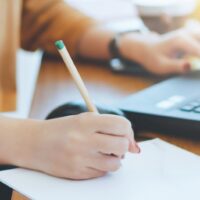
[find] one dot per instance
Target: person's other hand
(78, 147)
(162, 54)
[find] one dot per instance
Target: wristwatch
(113, 45)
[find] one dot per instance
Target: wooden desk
(55, 87)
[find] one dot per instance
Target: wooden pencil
(75, 75)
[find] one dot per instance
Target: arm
(43, 23)
(14, 138)
(157, 53)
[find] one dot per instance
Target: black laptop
(169, 106)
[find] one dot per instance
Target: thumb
(175, 66)
(133, 146)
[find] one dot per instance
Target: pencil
(75, 75)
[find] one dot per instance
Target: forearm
(94, 43)
(44, 22)
(14, 137)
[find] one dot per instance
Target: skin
(157, 53)
(77, 147)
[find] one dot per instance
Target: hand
(78, 147)
(162, 54)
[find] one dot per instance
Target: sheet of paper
(161, 172)
(28, 65)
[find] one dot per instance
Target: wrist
(29, 140)
(17, 140)
(131, 47)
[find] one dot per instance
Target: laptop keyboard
(193, 106)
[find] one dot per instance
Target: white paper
(28, 65)
(161, 172)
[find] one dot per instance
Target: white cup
(164, 15)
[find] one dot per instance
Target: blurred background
(158, 15)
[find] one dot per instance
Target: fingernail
(135, 148)
(186, 67)
(138, 148)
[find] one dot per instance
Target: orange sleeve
(45, 21)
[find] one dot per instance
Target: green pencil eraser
(59, 44)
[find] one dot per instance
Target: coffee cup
(164, 15)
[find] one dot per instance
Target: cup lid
(170, 7)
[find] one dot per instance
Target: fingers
(193, 28)
(188, 44)
(98, 166)
(107, 124)
(117, 126)
(105, 163)
(107, 144)
(179, 42)
(112, 124)
(83, 173)
(91, 173)
(174, 66)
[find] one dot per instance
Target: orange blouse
(34, 24)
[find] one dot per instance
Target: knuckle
(124, 123)
(161, 69)
(123, 146)
(109, 146)
(115, 167)
(76, 171)
(100, 174)
(128, 125)
(124, 120)
(85, 118)
(76, 175)
(112, 165)
(107, 164)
